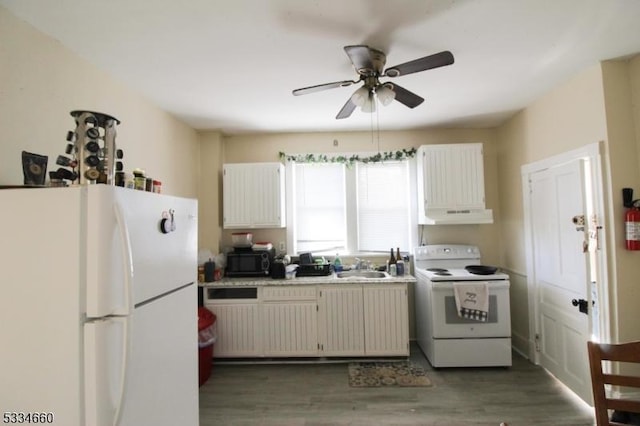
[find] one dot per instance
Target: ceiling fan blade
(346, 110)
(405, 97)
(320, 87)
(428, 62)
(360, 57)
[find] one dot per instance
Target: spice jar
(139, 180)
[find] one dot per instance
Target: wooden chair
(623, 352)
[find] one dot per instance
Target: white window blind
(364, 208)
(320, 222)
(383, 206)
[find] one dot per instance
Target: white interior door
(560, 272)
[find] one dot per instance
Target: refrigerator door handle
(124, 371)
(126, 258)
(107, 354)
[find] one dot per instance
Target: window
(365, 208)
(383, 205)
(319, 207)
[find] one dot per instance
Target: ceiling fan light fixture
(360, 96)
(385, 94)
(369, 105)
(369, 63)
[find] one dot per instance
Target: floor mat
(377, 374)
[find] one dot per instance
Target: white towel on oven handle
(472, 300)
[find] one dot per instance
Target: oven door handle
(448, 285)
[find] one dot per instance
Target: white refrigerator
(98, 314)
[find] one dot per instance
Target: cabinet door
(386, 320)
(253, 195)
(268, 204)
(471, 176)
(341, 320)
(290, 328)
(237, 196)
(237, 328)
(452, 176)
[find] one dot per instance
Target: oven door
(448, 324)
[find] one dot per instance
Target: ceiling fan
(369, 64)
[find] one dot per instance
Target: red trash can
(206, 339)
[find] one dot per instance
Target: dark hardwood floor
(319, 394)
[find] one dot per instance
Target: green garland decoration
(380, 157)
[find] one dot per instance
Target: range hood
(455, 217)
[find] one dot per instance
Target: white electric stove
(446, 338)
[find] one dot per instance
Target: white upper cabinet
(253, 195)
(451, 185)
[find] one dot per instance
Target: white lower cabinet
(311, 320)
(289, 321)
(237, 326)
(386, 320)
(341, 320)
(238, 330)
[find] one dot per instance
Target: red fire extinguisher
(632, 228)
(631, 220)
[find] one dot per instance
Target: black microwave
(249, 263)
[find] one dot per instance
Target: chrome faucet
(362, 264)
(359, 263)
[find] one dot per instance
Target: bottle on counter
(407, 264)
(391, 261)
(337, 263)
(209, 271)
(399, 264)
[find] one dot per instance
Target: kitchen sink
(362, 274)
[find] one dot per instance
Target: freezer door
(131, 257)
(106, 345)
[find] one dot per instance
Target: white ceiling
(231, 65)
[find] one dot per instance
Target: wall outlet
(281, 246)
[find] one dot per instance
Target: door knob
(583, 305)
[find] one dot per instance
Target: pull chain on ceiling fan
(369, 64)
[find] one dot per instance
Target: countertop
(327, 279)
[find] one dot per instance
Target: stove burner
(442, 273)
(437, 270)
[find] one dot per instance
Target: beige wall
(566, 118)
(593, 106)
(41, 82)
(265, 148)
(210, 191)
(621, 80)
